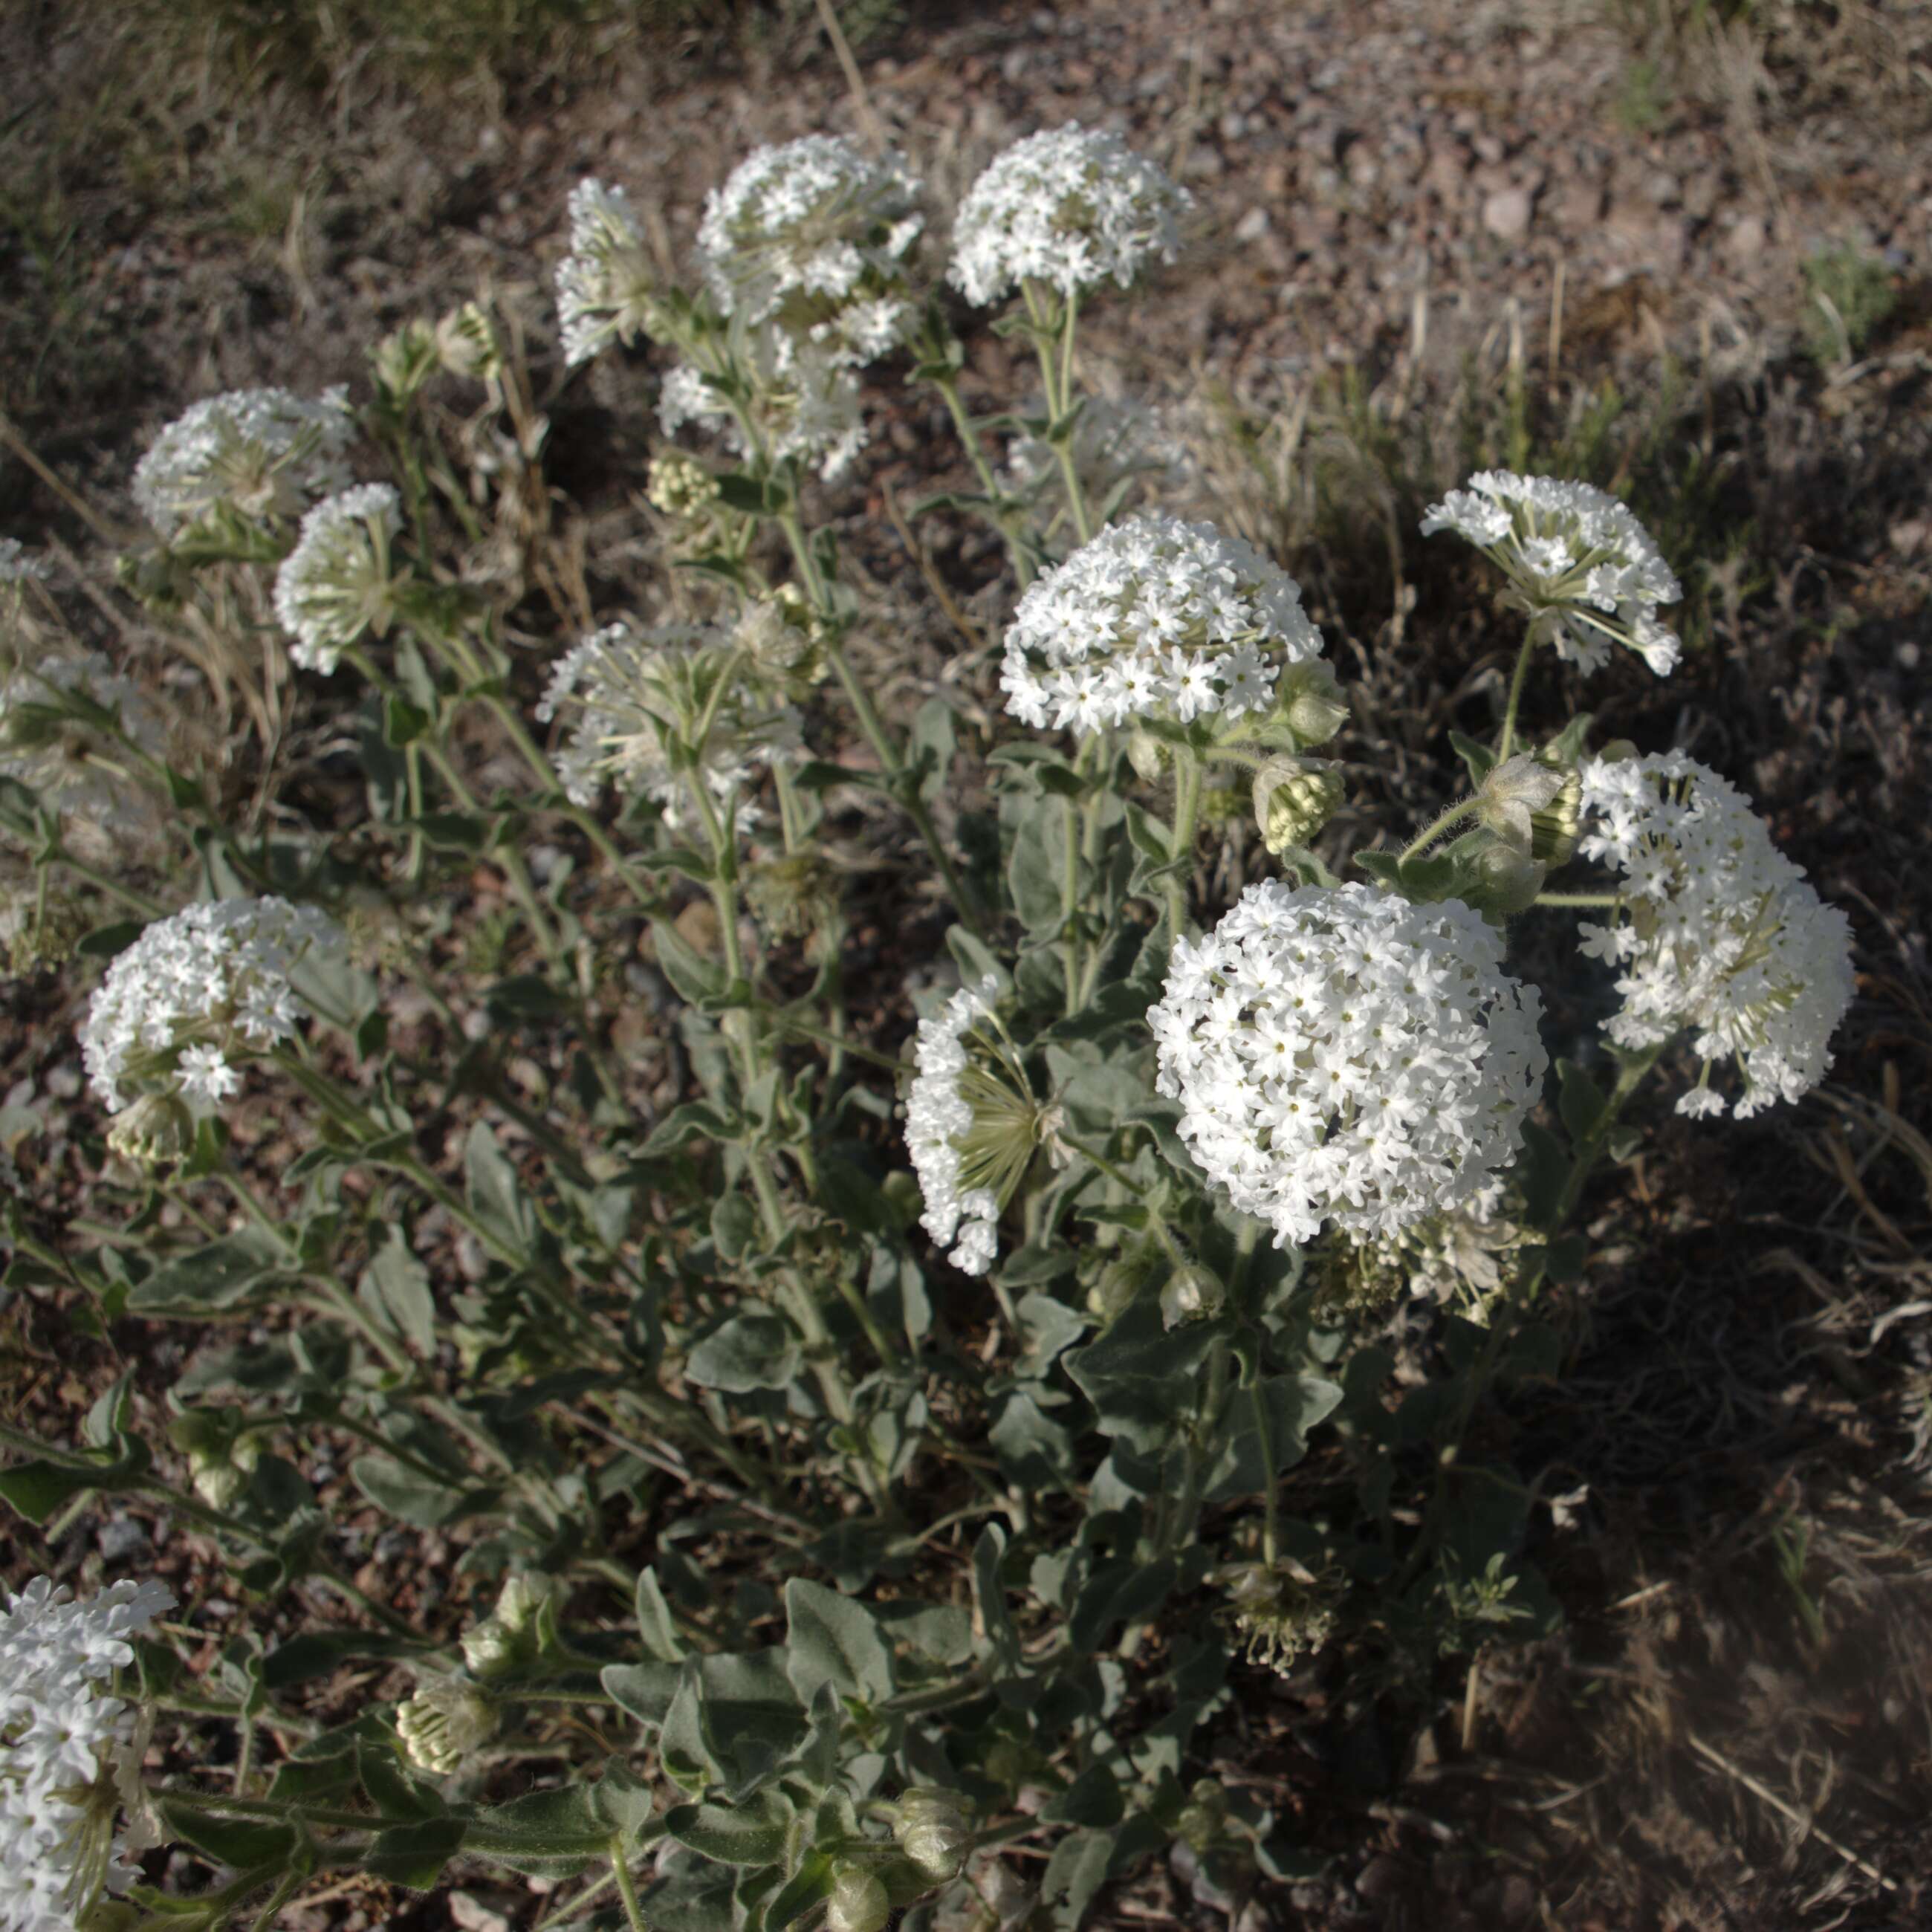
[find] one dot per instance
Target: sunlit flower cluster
(1587, 571)
(811, 238)
(67, 1759)
(1717, 931)
(605, 290)
(651, 711)
(1341, 1055)
(196, 990)
(969, 1128)
(1072, 209)
(55, 740)
(1154, 618)
(261, 452)
(338, 581)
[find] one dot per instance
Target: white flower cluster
(263, 452)
(78, 767)
(1723, 933)
(336, 583)
(803, 249)
(1588, 572)
(66, 1750)
(937, 1114)
(1072, 209)
(18, 563)
(605, 289)
(1155, 617)
(638, 701)
(1114, 444)
(813, 235)
(197, 987)
(1342, 1055)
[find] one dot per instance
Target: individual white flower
(1341, 1055)
(53, 741)
(198, 989)
(1587, 571)
(1154, 618)
(972, 1124)
(1073, 209)
(262, 452)
(605, 290)
(1717, 931)
(338, 581)
(69, 1755)
(639, 700)
(810, 238)
(444, 1723)
(17, 563)
(1115, 446)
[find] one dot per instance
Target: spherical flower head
(933, 1833)
(972, 1124)
(264, 454)
(1114, 446)
(1717, 931)
(1281, 1610)
(1587, 571)
(1069, 209)
(605, 290)
(71, 729)
(70, 1758)
(1343, 1057)
(338, 582)
(207, 986)
(680, 487)
(445, 1722)
(647, 708)
(811, 238)
(1154, 618)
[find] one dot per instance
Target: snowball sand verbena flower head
(651, 711)
(1585, 570)
(261, 452)
(68, 1761)
(1155, 618)
(1717, 931)
(54, 739)
(972, 1124)
(1069, 209)
(1342, 1056)
(811, 237)
(198, 990)
(339, 582)
(606, 291)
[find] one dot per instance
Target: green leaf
(834, 1639)
(317, 1653)
(684, 1741)
(1478, 760)
(1295, 1405)
(656, 1628)
(933, 741)
(454, 831)
(395, 1288)
(544, 1834)
(749, 1352)
(241, 1843)
(495, 1196)
(696, 978)
(527, 996)
(105, 942)
(1582, 1103)
(1075, 1873)
(217, 1276)
(412, 1497)
(694, 1120)
(734, 1227)
(1093, 1798)
(748, 496)
(1544, 1169)
(752, 1833)
(1033, 872)
(413, 1855)
(37, 1489)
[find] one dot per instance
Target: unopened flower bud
(1553, 829)
(1191, 1295)
(443, 1723)
(858, 1903)
(157, 1129)
(405, 360)
(1204, 1818)
(1308, 698)
(1145, 754)
(680, 486)
(1294, 800)
(1507, 879)
(508, 1637)
(1509, 799)
(466, 344)
(779, 638)
(933, 1834)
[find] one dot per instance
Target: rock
(1506, 213)
(1745, 242)
(1253, 225)
(1579, 206)
(121, 1540)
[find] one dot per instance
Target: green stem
(1578, 899)
(627, 1887)
(1270, 1502)
(1507, 737)
(1436, 826)
(1180, 845)
(134, 901)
